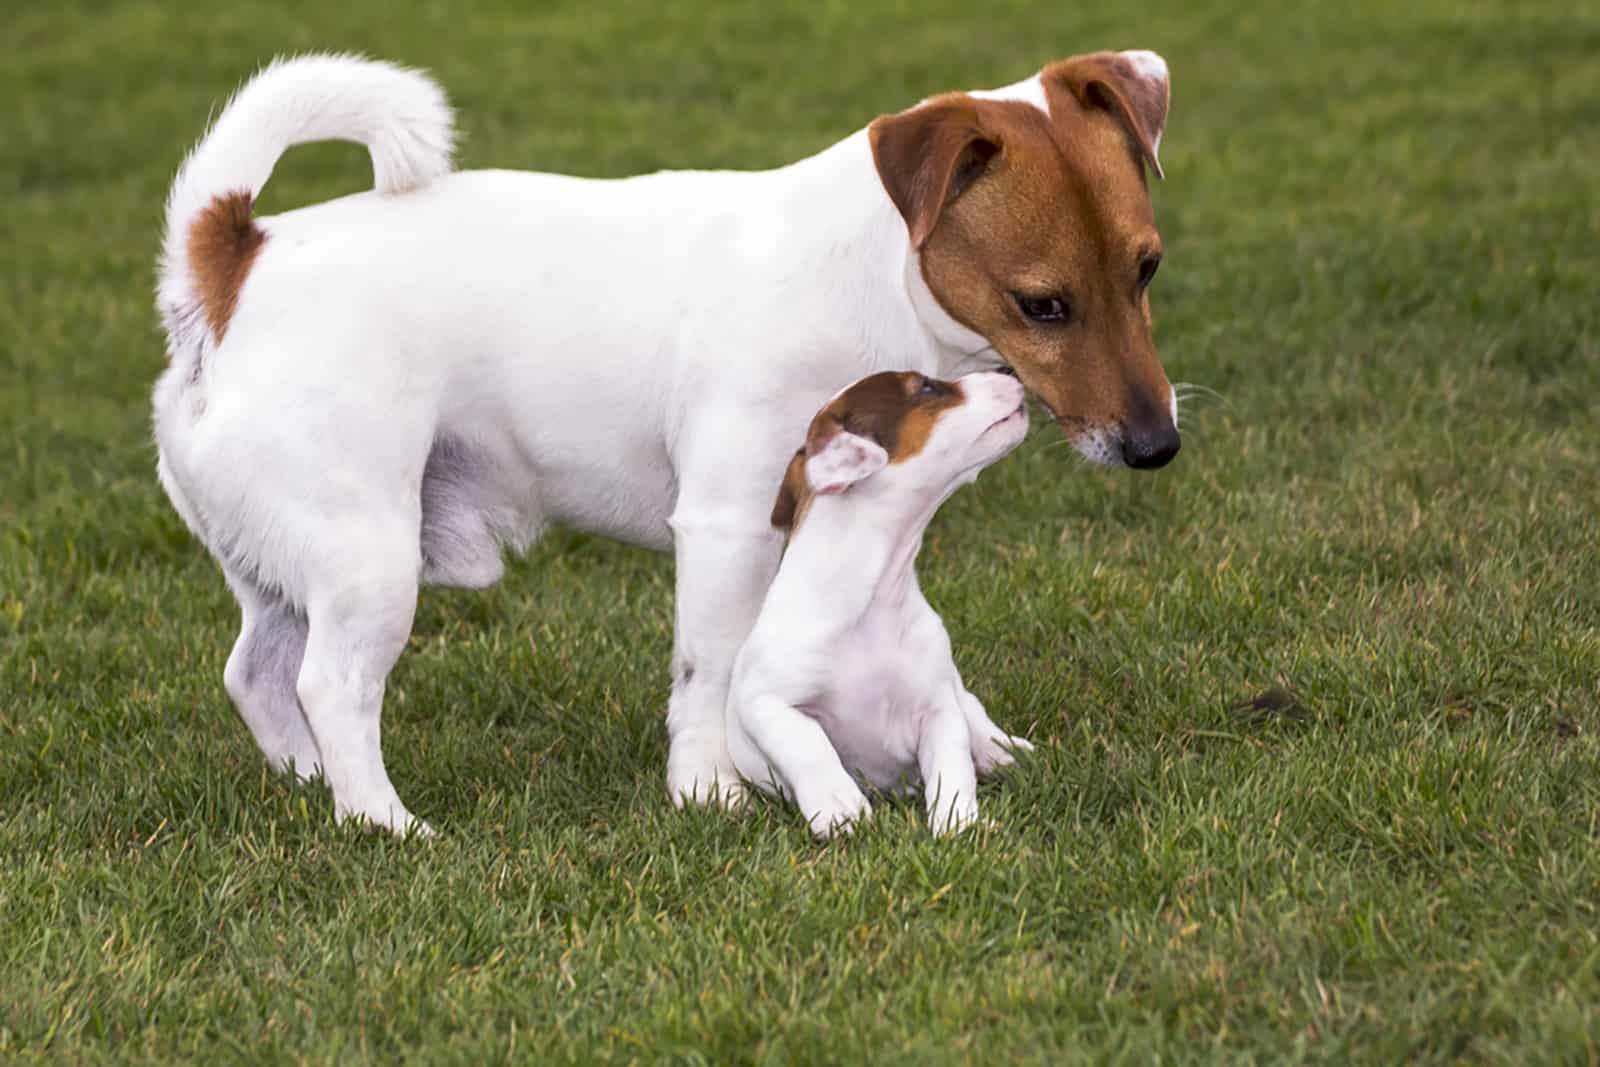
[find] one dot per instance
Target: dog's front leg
(724, 568)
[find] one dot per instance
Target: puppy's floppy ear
(1133, 86)
(838, 460)
(926, 157)
(792, 493)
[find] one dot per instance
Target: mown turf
(1381, 227)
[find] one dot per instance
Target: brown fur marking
(890, 409)
(1060, 208)
(794, 495)
(1110, 80)
(926, 164)
(223, 243)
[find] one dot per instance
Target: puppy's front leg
(804, 763)
(949, 779)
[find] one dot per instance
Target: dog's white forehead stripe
(1029, 91)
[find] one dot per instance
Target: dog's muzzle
(1147, 448)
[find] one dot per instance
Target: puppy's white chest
(886, 679)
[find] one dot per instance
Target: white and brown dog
(384, 390)
(848, 672)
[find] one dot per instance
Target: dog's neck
(854, 554)
(849, 232)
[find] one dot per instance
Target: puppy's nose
(1147, 448)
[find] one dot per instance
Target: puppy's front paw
(837, 813)
(992, 754)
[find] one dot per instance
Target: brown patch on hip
(224, 241)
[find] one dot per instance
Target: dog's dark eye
(1147, 271)
(1042, 308)
(930, 387)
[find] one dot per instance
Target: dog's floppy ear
(792, 493)
(926, 157)
(836, 459)
(1133, 86)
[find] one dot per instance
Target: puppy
(848, 669)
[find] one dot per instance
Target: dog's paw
(704, 780)
(837, 813)
(992, 754)
(393, 819)
(947, 820)
(720, 793)
(701, 773)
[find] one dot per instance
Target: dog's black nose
(1146, 450)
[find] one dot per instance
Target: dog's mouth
(1020, 412)
(1027, 390)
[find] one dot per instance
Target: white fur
(848, 672)
(1028, 90)
(401, 116)
(844, 461)
(419, 375)
(1151, 67)
(1147, 64)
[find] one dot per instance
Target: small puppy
(848, 669)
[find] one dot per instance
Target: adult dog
(386, 389)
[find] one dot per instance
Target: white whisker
(1193, 390)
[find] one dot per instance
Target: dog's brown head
(1031, 213)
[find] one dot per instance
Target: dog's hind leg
(992, 748)
(359, 609)
(260, 678)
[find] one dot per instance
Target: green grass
(1381, 228)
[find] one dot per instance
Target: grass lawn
(1382, 235)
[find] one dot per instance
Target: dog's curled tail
(401, 116)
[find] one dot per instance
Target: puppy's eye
(1042, 308)
(1147, 271)
(929, 387)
